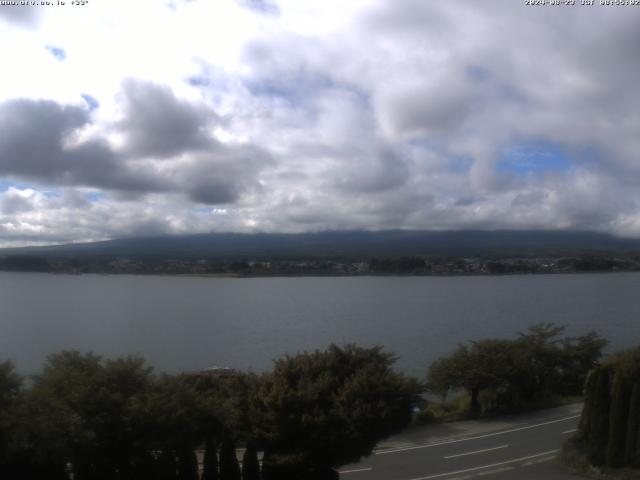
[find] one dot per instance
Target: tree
(618, 414)
(210, 461)
(229, 468)
(513, 372)
(10, 384)
(581, 355)
(167, 466)
(250, 465)
(187, 464)
(329, 408)
(599, 425)
(633, 427)
(89, 412)
(486, 364)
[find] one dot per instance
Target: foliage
(229, 467)
(609, 429)
(250, 465)
(618, 414)
(210, 461)
(504, 375)
(631, 453)
(331, 407)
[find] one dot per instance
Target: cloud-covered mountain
(343, 244)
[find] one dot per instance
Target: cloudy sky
(122, 118)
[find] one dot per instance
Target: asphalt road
(521, 447)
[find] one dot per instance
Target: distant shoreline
(324, 275)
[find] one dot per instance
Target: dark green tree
(599, 425)
(250, 464)
(580, 355)
(329, 408)
(618, 418)
(229, 467)
(483, 365)
(587, 409)
(511, 373)
(187, 464)
(210, 461)
(633, 427)
(10, 384)
(167, 465)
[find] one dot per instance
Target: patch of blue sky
(477, 73)
(199, 81)
(535, 158)
(95, 197)
(91, 102)
(6, 184)
(295, 88)
(264, 7)
(50, 193)
(203, 210)
(58, 53)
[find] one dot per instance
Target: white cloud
(299, 115)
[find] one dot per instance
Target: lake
(189, 323)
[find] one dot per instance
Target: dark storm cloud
(33, 145)
(159, 125)
(222, 177)
(213, 193)
(38, 143)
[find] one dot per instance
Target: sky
(122, 119)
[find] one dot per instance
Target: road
(518, 447)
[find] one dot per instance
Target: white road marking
(499, 464)
(570, 431)
(477, 451)
(497, 470)
(447, 442)
(533, 462)
(356, 470)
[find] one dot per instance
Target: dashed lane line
(483, 467)
(486, 435)
(497, 470)
(477, 451)
(357, 470)
(534, 462)
(570, 431)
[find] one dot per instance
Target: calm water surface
(184, 323)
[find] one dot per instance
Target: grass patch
(451, 410)
(456, 409)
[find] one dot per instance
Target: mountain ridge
(344, 244)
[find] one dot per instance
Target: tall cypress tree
(167, 465)
(187, 464)
(229, 467)
(599, 422)
(618, 413)
(210, 462)
(633, 427)
(250, 465)
(587, 410)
